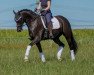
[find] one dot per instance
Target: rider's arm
(48, 5)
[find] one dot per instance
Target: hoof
(59, 59)
(73, 59)
(25, 60)
(44, 61)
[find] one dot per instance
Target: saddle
(54, 20)
(55, 24)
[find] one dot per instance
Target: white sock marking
(60, 49)
(72, 55)
(27, 52)
(42, 57)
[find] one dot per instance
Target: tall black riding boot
(50, 30)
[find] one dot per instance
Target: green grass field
(12, 50)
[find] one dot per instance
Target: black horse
(37, 32)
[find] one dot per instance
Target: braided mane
(25, 10)
(29, 11)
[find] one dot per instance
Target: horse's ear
(14, 12)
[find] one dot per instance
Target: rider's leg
(49, 23)
(50, 29)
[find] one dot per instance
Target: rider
(43, 6)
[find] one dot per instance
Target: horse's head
(19, 20)
(23, 16)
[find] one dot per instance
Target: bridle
(18, 19)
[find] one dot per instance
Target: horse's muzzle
(19, 29)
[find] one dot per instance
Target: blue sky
(78, 12)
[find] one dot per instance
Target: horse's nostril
(18, 30)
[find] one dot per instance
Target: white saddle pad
(55, 23)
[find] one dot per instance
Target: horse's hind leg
(40, 51)
(60, 49)
(71, 44)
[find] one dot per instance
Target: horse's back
(64, 22)
(64, 19)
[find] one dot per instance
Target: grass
(12, 50)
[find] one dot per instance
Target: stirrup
(51, 36)
(46, 33)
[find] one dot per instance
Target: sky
(78, 12)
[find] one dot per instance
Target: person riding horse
(43, 7)
(36, 32)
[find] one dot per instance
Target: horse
(37, 32)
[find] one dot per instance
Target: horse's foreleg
(40, 51)
(27, 53)
(36, 39)
(60, 49)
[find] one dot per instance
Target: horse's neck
(34, 26)
(31, 26)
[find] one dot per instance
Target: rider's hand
(43, 12)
